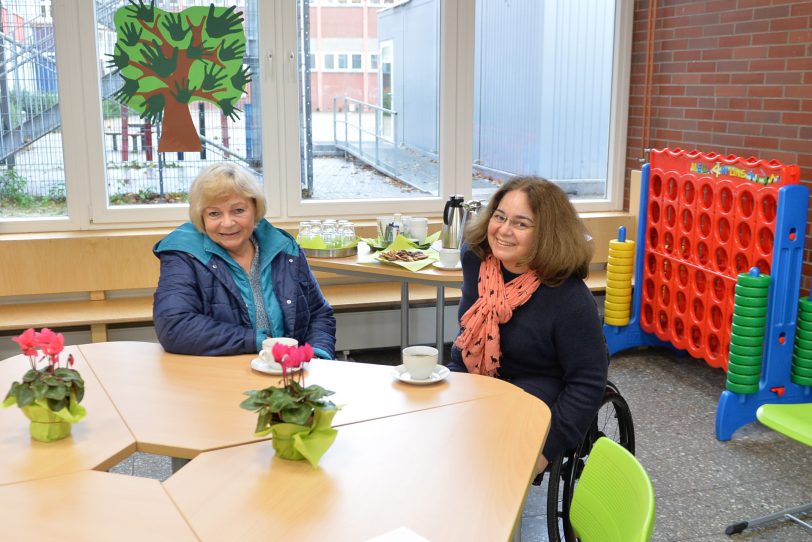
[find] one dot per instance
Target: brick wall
(731, 77)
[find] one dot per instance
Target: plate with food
(408, 258)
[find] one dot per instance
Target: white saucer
(439, 265)
(440, 373)
(258, 364)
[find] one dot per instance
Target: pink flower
(279, 351)
(51, 343)
(28, 341)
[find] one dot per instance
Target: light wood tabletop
(459, 472)
(97, 442)
(183, 405)
(91, 506)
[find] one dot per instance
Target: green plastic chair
(794, 421)
(614, 498)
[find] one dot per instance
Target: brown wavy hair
(563, 246)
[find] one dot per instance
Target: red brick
(736, 16)
(772, 117)
(682, 124)
(728, 114)
(715, 79)
(702, 43)
(706, 114)
(733, 66)
(673, 45)
(802, 64)
(765, 91)
(745, 103)
(761, 142)
(786, 51)
(711, 126)
(698, 90)
(752, 27)
(801, 36)
(687, 55)
(790, 23)
(701, 67)
(690, 8)
(773, 64)
(731, 90)
(747, 78)
(671, 90)
(725, 139)
(750, 52)
(802, 8)
(717, 29)
(772, 38)
(687, 79)
(738, 40)
(784, 78)
(773, 12)
(720, 53)
(782, 105)
(804, 119)
(793, 145)
(745, 128)
(681, 101)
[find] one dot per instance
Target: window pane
(136, 172)
(328, 62)
(375, 133)
(551, 119)
(32, 171)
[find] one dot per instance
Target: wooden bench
(99, 278)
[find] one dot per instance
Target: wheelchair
(613, 420)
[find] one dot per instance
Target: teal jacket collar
(186, 238)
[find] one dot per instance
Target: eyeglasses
(520, 224)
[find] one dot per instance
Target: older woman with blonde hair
(526, 315)
(229, 279)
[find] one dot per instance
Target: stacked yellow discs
(802, 356)
(619, 271)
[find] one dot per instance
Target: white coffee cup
(266, 354)
(449, 257)
(419, 228)
(420, 361)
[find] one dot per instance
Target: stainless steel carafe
(453, 217)
(471, 211)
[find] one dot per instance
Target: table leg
(404, 314)
(440, 323)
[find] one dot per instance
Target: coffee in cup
(420, 361)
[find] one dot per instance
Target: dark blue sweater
(553, 348)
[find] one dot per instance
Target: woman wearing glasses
(526, 315)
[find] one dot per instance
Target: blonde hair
(221, 181)
(562, 247)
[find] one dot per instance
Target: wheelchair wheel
(614, 421)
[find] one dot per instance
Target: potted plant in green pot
(48, 396)
(297, 417)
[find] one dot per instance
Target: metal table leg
(440, 326)
(404, 314)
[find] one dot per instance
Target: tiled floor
(701, 485)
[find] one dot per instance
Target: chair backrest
(614, 498)
(792, 420)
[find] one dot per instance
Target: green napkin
(316, 242)
(401, 243)
(378, 244)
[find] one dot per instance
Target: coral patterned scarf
(479, 340)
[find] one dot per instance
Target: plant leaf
(25, 396)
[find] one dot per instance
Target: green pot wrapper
(49, 426)
(297, 442)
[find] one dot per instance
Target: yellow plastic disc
(616, 314)
(616, 321)
(616, 306)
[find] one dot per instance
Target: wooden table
(459, 472)
(450, 460)
(91, 506)
(361, 266)
(98, 442)
(183, 405)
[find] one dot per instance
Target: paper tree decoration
(169, 59)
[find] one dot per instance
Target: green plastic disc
(742, 379)
(806, 344)
(742, 350)
(740, 388)
(761, 281)
(802, 371)
(749, 321)
(800, 380)
(802, 353)
(805, 305)
(800, 362)
(748, 291)
(804, 334)
(745, 301)
(746, 341)
(745, 360)
(803, 324)
(750, 312)
(805, 316)
(743, 369)
(744, 331)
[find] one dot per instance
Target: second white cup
(266, 354)
(420, 361)
(449, 257)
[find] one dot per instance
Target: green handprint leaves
(168, 59)
(227, 22)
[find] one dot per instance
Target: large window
(32, 168)
(354, 108)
